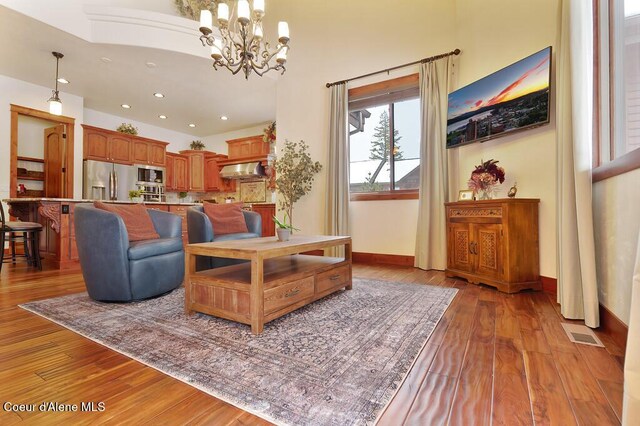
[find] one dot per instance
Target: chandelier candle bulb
(281, 57)
(257, 31)
(283, 32)
(243, 12)
(258, 7)
(206, 19)
(216, 49)
(223, 13)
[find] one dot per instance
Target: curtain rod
(421, 61)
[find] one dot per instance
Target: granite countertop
(68, 200)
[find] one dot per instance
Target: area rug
(338, 361)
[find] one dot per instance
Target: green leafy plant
(134, 193)
(197, 145)
(182, 195)
(295, 171)
(284, 224)
(127, 128)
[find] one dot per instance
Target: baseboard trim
(549, 285)
(380, 258)
(609, 323)
(613, 327)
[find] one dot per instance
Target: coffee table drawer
(287, 294)
(337, 277)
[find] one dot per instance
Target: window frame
(606, 122)
(385, 92)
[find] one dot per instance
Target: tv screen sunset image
(513, 98)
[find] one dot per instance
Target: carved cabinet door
(487, 248)
(460, 253)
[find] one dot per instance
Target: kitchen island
(57, 239)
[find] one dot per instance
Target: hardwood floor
(493, 359)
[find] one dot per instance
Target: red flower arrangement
(485, 176)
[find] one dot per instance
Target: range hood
(243, 171)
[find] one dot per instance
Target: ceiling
(194, 91)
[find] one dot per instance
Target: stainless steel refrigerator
(107, 181)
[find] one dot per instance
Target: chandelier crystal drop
(55, 104)
(241, 45)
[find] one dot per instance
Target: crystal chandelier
(55, 104)
(241, 44)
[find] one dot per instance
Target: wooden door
(196, 172)
(54, 152)
(212, 175)
(120, 149)
(488, 249)
(157, 154)
(460, 253)
(140, 152)
(169, 176)
(181, 173)
(96, 145)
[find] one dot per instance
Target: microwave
(150, 174)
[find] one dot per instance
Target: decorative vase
(484, 194)
(283, 234)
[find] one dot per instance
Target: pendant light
(55, 104)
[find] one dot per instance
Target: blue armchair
(200, 231)
(116, 270)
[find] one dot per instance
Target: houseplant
(283, 228)
(295, 171)
(485, 177)
(197, 145)
(127, 128)
(182, 195)
(135, 195)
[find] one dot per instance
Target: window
(618, 53)
(384, 141)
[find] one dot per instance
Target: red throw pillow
(226, 218)
(136, 219)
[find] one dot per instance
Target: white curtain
(577, 286)
(337, 196)
(431, 240)
(631, 402)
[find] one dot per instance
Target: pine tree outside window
(384, 141)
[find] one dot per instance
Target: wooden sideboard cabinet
(494, 242)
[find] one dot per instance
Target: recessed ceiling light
(105, 59)
(224, 118)
(162, 116)
(125, 106)
(150, 64)
(192, 125)
(63, 80)
(158, 95)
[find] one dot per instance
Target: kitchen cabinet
(213, 181)
(494, 242)
(106, 145)
(266, 212)
(181, 211)
(177, 172)
(196, 169)
(249, 147)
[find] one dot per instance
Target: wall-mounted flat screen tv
(512, 99)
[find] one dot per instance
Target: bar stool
(26, 232)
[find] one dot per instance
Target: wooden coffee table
(276, 281)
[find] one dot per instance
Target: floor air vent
(581, 334)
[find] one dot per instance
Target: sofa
(201, 231)
(117, 270)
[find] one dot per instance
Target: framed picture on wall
(465, 195)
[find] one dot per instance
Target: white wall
(31, 136)
(616, 211)
(338, 40)
(29, 95)
(218, 143)
(177, 141)
(493, 34)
